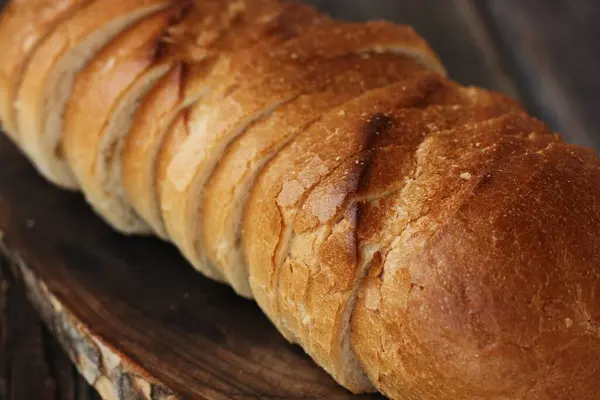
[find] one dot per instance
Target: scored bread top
(227, 189)
(256, 21)
(256, 84)
(23, 24)
(303, 267)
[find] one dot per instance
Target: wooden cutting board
(137, 321)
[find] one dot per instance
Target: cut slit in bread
(313, 234)
(258, 22)
(45, 90)
(232, 180)
(449, 166)
(317, 295)
(297, 67)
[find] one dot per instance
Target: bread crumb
(236, 7)
(568, 322)
(306, 319)
(342, 113)
(373, 298)
(466, 176)
(109, 64)
(28, 43)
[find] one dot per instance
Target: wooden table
(544, 52)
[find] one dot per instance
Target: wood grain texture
(32, 365)
(552, 47)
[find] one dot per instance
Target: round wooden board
(134, 317)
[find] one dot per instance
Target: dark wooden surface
(160, 313)
(32, 365)
(552, 49)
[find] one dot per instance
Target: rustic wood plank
(26, 364)
(26, 343)
(553, 50)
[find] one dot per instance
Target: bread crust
(228, 187)
(255, 85)
(506, 299)
(61, 55)
(97, 91)
(23, 24)
(309, 213)
(249, 23)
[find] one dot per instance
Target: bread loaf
(415, 237)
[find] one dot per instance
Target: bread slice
(99, 113)
(227, 190)
(451, 301)
(258, 21)
(23, 24)
(266, 80)
(304, 268)
(49, 76)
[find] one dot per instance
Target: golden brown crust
(23, 24)
(254, 85)
(326, 42)
(47, 80)
(96, 91)
(255, 21)
(227, 189)
(296, 168)
(506, 300)
(445, 165)
(309, 216)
